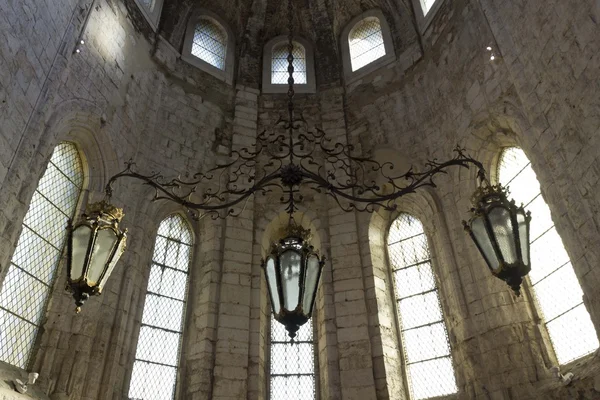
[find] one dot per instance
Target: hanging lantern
(500, 231)
(95, 245)
(292, 270)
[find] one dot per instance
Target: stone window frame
(225, 75)
(394, 306)
(423, 21)
(267, 367)
(388, 42)
(152, 16)
(165, 213)
(309, 87)
(80, 204)
(528, 287)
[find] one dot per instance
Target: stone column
(233, 324)
(349, 288)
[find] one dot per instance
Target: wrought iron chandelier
(289, 158)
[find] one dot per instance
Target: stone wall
(128, 94)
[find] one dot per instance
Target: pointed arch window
(556, 289)
(155, 369)
(427, 358)
(292, 364)
(27, 285)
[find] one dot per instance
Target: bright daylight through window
(279, 64)
(426, 5)
(33, 266)
(555, 285)
(154, 374)
(366, 43)
(292, 364)
(423, 333)
(210, 43)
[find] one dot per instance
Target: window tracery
(26, 288)
(154, 374)
(556, 289)
(292, 364)
(425, 344)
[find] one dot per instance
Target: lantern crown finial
(106, 210)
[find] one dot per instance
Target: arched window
(292, 363)
(28, 282)
(151, 10)
(279, 64)
(275, 66)
(556, 288)
(154, 374)
(209, 45)
(427, 358)
(366, 43)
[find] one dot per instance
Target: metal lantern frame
(98, 217)
(296, 239)
(485, 200)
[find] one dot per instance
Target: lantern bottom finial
(515, 284)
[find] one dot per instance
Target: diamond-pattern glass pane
(555, 286)
(154, 373)
(279, 64)
(366, 43)
(153, 381)
(210, 43)
(424, 337)
(25, 289)
(292, 363)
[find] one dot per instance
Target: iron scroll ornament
(350, 180)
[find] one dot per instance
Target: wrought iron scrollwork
(288, 157)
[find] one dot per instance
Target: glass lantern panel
(105, 242)
(113, 262)
(523, 237)
(81, 239)
(485, 244)
(310, 284)
(290, 265)
(501, 223)
(272, 282)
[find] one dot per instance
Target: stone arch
(426, 205)
(82, 123)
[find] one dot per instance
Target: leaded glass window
(366, 43)
(427, 358)
(156, 364)
(28, 282)
(279, 64)
(555, 286)
(210, 43)
(292, 363)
